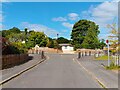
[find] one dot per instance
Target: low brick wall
(12, 60)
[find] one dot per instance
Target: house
(67, 48)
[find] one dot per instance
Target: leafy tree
(91, 39)
(14, 30)
(61, 40)
(38, 38)
(113, 37)
(50, 43)
(56, 45)
(82, 30)
(102, 44)
(19, 37)
(26, 34)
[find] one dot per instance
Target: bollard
(85, 53)
(42, 54)
(79, 55)
(82, 54)
(90, 53)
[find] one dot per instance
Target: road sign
(107, 41)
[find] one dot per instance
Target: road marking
(21, 72)
(90, 73)
(74, 60)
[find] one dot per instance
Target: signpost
(57, 42)
(107, 41)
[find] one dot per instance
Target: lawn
(112, 65)
(104, 57)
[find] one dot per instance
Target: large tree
(38, 38)
(61, 40)
(13, 30)
(85, 33)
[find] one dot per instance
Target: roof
(65, 44)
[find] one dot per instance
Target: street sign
(107, 41)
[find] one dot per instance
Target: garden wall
(12, 60)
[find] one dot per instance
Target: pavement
(6, 73)
(59, 71)
(107, 77)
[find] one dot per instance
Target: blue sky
(52, 18)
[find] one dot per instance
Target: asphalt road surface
(58, 71)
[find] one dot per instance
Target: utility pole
(57, 42)
(108, 53)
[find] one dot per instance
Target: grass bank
(104, 57)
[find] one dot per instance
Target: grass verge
(105, 57)
(112, 67)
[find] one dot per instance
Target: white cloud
(41, 28)
(68, 25)
(102, 14)
(73, 16)
(59, 19)
(4, 0)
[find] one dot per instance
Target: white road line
(90, 73)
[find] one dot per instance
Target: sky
(54, 18)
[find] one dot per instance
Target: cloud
(4, 1)
(73, 16)
(59, 19)
(102, 14)
(41, 28)
(68, 25)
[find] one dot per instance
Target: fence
(12, 60)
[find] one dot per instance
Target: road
(58, 71)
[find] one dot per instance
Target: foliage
(14, 30)
(50, 43)
(85, 34)
(62, 40)
(102, 44)
(21, 47)
(91, 39)
(113, 37)
(38, 38)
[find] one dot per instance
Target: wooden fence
(12, 60)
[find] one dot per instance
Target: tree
(61, 40)
(102, 44)
(113, 37)
(13, 30)
(91, 39)
(50, 43)
(82, 30)
(38, 38)
(26, 34)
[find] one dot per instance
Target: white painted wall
(67, 49)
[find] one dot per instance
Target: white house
(67, 48)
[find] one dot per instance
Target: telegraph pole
(108, 53)
(57, 42)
